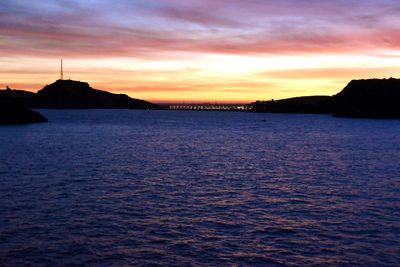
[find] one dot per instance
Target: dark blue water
(124, 187)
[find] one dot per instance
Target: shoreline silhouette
(366, 98)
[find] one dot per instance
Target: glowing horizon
(200, 51)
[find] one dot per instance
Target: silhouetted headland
(62, 94)
(14, 110)
(372, 98)
(69, 94)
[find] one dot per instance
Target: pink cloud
(229, 27)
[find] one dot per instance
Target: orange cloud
(177, 49)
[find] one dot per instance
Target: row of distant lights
(211, 107)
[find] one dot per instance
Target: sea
(199, 188)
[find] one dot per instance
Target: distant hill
(21, 97)
(69, 94)
(8, 92)
(62, 94)
(372, 98)
(305, 104)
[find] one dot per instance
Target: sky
(191, 51)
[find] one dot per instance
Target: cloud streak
(233, 27)
(160, 32)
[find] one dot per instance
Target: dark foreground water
(124, 187)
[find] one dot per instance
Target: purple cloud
(150, 28)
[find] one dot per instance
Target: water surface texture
(125, 187)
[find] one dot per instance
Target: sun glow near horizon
(173, 52)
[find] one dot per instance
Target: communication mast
(61, 72)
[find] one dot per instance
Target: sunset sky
(200, 50)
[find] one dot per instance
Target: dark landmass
(14, 107)
(63, 94)
(19, 115)
(372, 98)
(16, 94)
(69, 94)
(305, 104)
(12, 112)
(19, 97)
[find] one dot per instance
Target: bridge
(211, 107)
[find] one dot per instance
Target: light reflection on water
(115, 187)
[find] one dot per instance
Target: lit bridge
(211, 106)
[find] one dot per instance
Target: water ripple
(112, 188)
